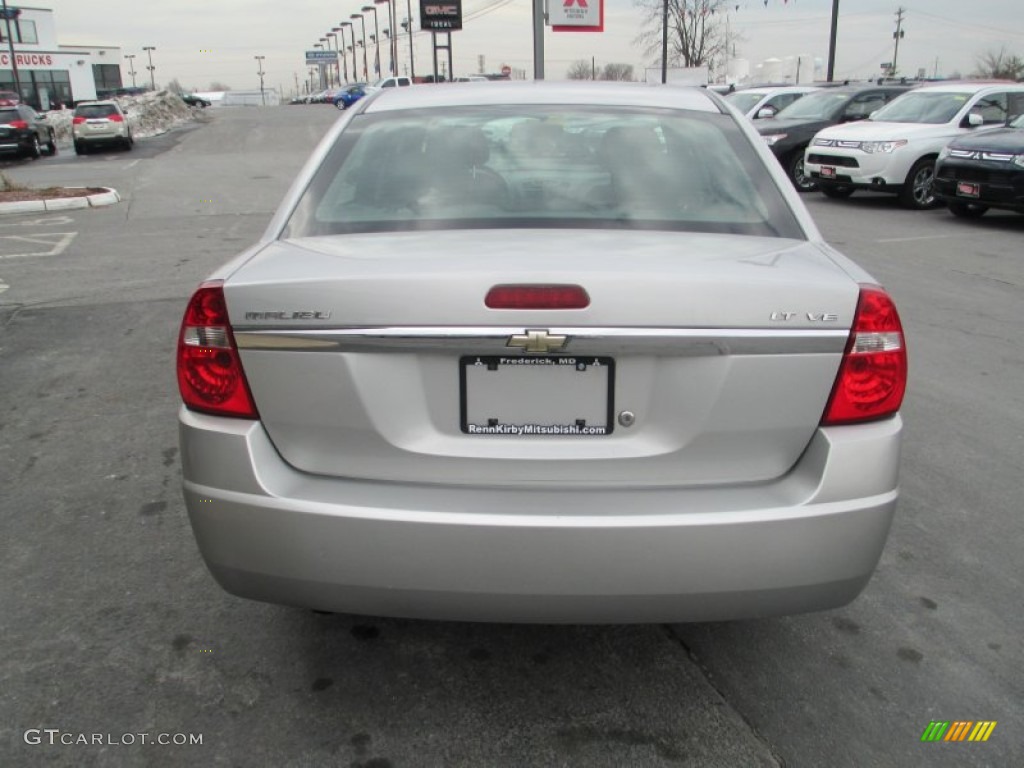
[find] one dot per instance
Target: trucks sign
(441, 15)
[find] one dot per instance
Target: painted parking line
(44, 221)
(28, 246)
(3, 286)
(912, 239)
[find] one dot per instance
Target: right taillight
(210, 375)
(873, 375)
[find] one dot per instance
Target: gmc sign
(441, 16)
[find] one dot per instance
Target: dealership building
(49, 74)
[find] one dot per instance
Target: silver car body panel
(806, 541)
(385, 405)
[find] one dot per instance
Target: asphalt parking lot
(113, 628)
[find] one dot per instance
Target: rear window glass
(7, 115)
(95, 110)
(744, 102)
(532, 166)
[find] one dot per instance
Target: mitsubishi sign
(576, 15)
(320, 57)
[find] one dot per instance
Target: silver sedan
(545, 353)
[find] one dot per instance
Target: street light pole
(341, 50)
(320, 68)
(392, 38)
(832, 40)
(355, 66)
(412, 63)
(259, 64)
(330, 70)
(12, 13)
(376, 37)
(366, 66)
(337, 67)
(131, 66)
(152, 70)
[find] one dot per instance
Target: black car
(792, 129)
(983, 171)
(25, 132)
(194, 101)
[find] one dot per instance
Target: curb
(62, 203)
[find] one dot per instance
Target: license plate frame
(828, 172)
(534, 395)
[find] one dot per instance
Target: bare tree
(617, 72)
(174, 87)
(215, 86)
(1000, 65)
(581, 69)
(695, 34)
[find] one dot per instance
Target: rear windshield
(744, 102)
(7, 115)
(922, 107)
(534, 166)
(824, 105)
(95, 110)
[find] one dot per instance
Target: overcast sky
(199, 41)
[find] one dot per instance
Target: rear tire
(836, 192)
(917, 191)
(51, 145)
(795, 169)
(967, 210)
(79, 148)
(34, 150)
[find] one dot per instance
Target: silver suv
(100, 122)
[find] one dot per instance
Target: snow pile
(149, 114)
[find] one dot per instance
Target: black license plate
(537, 396)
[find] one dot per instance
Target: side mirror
(974, 120)
(764, 112)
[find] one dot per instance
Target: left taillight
(210, 375)
(873, 375)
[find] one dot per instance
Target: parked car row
(27, 133)
(959, 143)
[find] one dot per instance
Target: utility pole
(152, 70)
(832, 40)
(897, 36)
(259, 64)
(131, 66)
(12, 13)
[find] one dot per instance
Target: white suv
(896, 148)
(100, 122)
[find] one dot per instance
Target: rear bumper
(808, 541)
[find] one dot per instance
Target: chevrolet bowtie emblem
(539, 342)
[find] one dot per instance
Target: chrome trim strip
(492, 340)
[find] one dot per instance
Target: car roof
(961, 87)
(778, 88)
(94, 103)
(543, 93)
